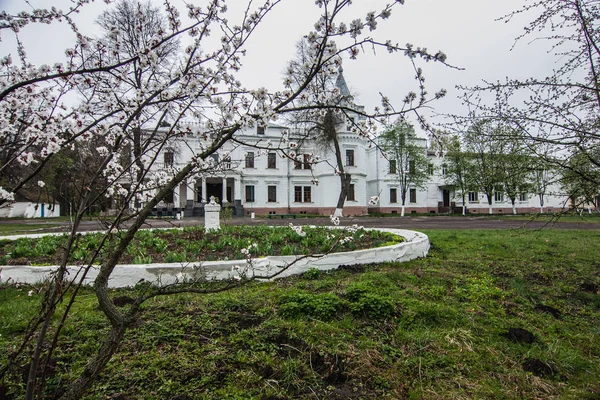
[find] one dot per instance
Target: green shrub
(312, 273)
(367, 301)
(374, 306)
(358, 289)
(301, 304)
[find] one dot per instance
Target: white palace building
(266, 182)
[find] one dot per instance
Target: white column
(204, 199)
(237, 188)
(176, 196)
(224, 197)
(182, 195)
(190, 189)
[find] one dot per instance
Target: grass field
(487, 315)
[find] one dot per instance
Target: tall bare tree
(559, 110)
(410, 166)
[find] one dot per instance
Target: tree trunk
(402, 212)
(345, 178)
(345, 187)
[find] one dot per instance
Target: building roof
(341, 84)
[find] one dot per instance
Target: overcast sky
(466, 30)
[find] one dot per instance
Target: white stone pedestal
(212, 212)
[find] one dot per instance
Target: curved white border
(416, 245)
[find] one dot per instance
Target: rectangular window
(168, 158)
(350, 196)
(307, 164)
(350, 158)
(298, 194)
(393, 169)
(250, 159)
(393, 195)
(413, 195)
(271, 194)
(272, 160)
(302, 194)
(304, 164)
(412, 168)
(498, 196)
(522, 196)
(250, 193)
(444, 169)
(260, 130)
(307, 194)
(429, 169)
(473, 197)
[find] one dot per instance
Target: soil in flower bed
(194, 244)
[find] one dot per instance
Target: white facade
(28, 209)
(263, 172)
(440, 197)
(267, 181)
(260, 181)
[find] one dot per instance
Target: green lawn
(487, 315)
(22, 229)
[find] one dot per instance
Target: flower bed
(193, 244)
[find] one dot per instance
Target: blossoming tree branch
(116, 101)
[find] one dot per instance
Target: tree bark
(345, 178)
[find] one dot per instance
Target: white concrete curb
(416, 245)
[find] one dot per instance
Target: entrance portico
(197, 191)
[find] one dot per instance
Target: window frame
(412, 196)
(302, 194)
(350, 159)
(271, 160)
(351, 195)
(393, 168)
(473, 195)
(306, 164)
(523, 197)
(305, 198)
(169, 158)
(271, 197)
(250, 194)
(297, 194)
(249, 160)
(393, 195)
(498, 197)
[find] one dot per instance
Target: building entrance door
(215, 190)
(446, 197)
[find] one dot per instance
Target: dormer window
(260, 130)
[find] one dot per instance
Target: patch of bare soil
(548, 309)
(519, 335)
